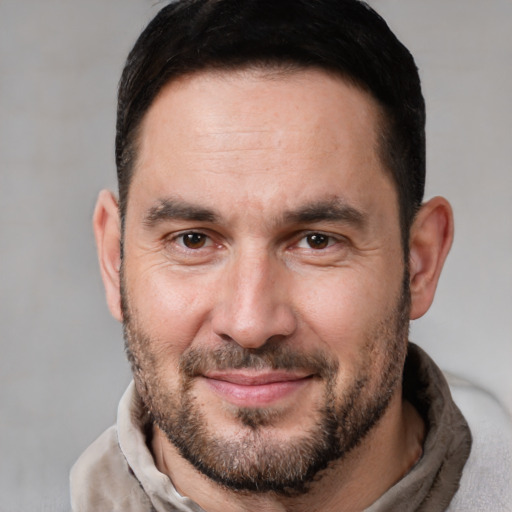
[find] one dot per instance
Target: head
(271, 168)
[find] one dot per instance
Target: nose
(253, 304)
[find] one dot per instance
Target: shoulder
(486, 483)
(102, 480)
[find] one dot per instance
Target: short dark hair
(345, 37)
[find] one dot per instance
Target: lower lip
(255, 395)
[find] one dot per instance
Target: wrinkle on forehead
(211, 114)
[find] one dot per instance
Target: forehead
(260, 133)
(260, 99)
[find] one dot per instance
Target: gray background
(62, 368)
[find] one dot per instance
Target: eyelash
(206, 240)
(323, 240)
(179, 239)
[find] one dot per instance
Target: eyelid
(334, 239)
(177, 238)
(299, 238)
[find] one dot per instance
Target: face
(264, 302)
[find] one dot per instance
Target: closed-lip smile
(250, 388)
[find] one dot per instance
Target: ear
(430, 241)
(107, 231)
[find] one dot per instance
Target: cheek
(342, 309)
(172, 309)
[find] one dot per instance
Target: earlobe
(107, 231)
(430, 241)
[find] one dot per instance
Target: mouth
(245, 388)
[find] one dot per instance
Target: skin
(255, 150)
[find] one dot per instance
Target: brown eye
(194, 240)
(317, 241)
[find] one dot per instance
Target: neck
(386, 454)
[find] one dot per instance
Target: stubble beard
(252, 461)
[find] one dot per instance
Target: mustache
(272, 356)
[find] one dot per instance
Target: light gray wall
(62, 368)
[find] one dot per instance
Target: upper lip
(255, 378)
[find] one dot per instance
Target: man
(266, 253)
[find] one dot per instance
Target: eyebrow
(335, 210)
(174, 209)
(332, 210)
